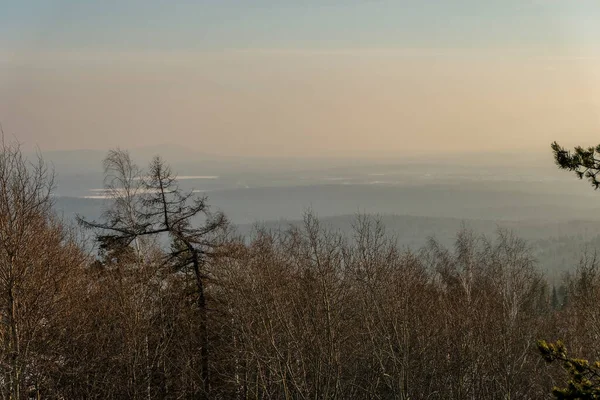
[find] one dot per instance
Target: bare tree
(150, 204)
(301, 313)
(37, 258)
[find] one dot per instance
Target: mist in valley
(327, 199)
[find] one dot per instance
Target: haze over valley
(416, 199)
(284, 199)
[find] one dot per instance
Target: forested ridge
(302, 313)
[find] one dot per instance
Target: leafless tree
(148, 204)
(38, 257)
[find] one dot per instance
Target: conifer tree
(584, 377)
(585, 162)
(150, 204)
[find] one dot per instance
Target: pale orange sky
(303, 102)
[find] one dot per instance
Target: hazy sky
(291, 77)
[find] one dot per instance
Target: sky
(301, 78)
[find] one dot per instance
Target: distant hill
(558, 244)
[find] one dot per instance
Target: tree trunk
(203, 328)
(13, 342)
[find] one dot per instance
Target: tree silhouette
(584, 377)
(151, 204)
(585, 162)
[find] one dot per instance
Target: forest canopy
(176, 305)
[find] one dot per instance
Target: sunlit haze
(299, 199)
(314, 78)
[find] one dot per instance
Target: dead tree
(152, 205)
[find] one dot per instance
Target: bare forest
(171, 303)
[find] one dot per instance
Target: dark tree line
(175, 306)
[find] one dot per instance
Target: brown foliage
(302, 313)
